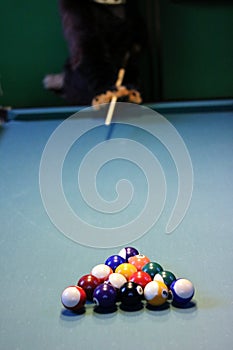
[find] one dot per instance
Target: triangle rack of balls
(128, 280)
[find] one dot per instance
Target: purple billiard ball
(104, 296)
(127, 252)
(114, 261)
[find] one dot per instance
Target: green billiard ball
(152, 268)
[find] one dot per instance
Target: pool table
(39, 258)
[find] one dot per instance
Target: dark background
(190, 55)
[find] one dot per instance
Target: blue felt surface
(37, 261)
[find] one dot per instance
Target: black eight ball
(131, 294)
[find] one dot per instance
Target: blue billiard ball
(182, 291)
(114, 261)
(105, 296)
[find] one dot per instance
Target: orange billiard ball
(139, 261)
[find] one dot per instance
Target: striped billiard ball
(73, 298)
(156, 293)
(102, 272)
(127, 252)
(182, 291)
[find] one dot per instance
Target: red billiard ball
(102, 272)
(73, 298)
(182, 291)
(156, 293)
(127, 252)
(88, 283)
(114, 261)
(139, 261)
(105, 296)
(141, 278)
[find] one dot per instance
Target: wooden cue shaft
(112, 106)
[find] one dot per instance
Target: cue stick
(120, 77)
(112, 106)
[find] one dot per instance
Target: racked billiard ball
(117, 280)
(73, 298)
(156, 293)
(166, 277)
(139, 261)
(104, 296)
(182, 291)
(127, 252)
(114, 261)
(131, 295)
(88, 283)
(126, 270)
(152, 268)
(102, 272)
(140, 277)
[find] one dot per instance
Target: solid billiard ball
(104, 296)
(156, 293)
(88, 283)
(73, 298)
(139, 261)
(140, 277)
(114, 261)
(102, 272)
(166, 277)
(117, 280)
(131, 295)
(152, 268)
(182, 291)
(126, 270)
(127, 252)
